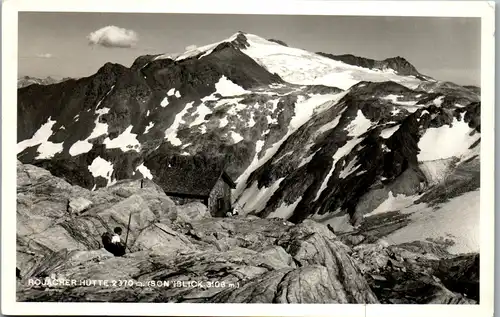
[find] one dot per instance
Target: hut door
(220, 204)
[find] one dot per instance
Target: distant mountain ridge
(398, 64)
(28, 80)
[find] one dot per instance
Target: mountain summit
(398, 64)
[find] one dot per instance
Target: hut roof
(192, 177)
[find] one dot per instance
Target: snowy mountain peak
(298, 66)
(238, 39)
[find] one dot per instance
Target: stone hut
(188, 180)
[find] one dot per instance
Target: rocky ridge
(397, 64)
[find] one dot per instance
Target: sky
(68, 44)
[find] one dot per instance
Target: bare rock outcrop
(418, 273)
(238, 259)
(182, 254)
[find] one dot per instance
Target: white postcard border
(484, 10)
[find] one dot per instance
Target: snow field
(457, 219)
(171, 132)
(126, 141)
(103, 168)
(446, 141)
(144, 171)
(255, 199)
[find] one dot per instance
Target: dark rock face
(122, 98)
(67, 99)
(461, 274)
(196, 77)
(132, 94)
(465, 178)
(278, 41)
(398, 63)
(474, 89)
(384, 164)
(351, 59)
(460, 93)
(409, 274)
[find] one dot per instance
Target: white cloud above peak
(113, 36)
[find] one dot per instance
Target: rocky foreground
(244, 259)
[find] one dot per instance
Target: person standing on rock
(112, 243)
(116, 237)
(236, 210)
(329, 226)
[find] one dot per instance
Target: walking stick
(128, 229)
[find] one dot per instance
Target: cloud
(113, 36)
(191, 47)
(44, 55)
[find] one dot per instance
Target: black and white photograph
(250, 158)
